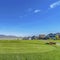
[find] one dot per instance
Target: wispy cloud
(30, 11)
(33, 10)
(55, 4)
(37, 11)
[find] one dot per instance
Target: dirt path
(58, 44)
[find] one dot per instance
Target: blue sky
(27, 17)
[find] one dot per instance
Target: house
(42, 36)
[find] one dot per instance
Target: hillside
(28, 50)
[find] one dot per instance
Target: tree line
(54, 36)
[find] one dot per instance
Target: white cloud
(37, 11)
(55, 4)
(30, 11)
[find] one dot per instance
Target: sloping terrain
(28, 50)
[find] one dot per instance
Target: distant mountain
(9, 37)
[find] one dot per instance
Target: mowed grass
(28, 50)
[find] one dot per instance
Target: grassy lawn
(28, 50)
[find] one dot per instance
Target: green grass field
(29, 50)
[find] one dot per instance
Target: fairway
(28, 50)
